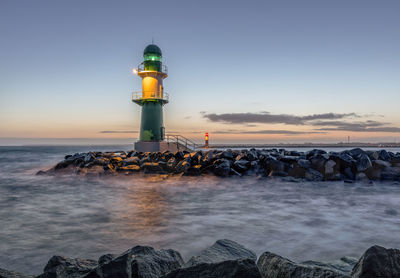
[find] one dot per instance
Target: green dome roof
(152, 49)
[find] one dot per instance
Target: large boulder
(12, 274)
(62, 267)
(227, 269)
(313, 175)
(318, 162)
(274, 266)
(344, 265)
(363, 163)
(222, 167)
(152, 167)
(272, 164)
(241, 165)
(299, 168)
(378, 262)
(390, 173)
(222, 250)
(139, 262)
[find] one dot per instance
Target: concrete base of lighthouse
(155, 146)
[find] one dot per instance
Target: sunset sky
(244, 71)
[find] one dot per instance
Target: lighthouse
(152, 98)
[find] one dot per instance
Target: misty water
(73, 216)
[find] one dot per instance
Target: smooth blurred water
(73, 216)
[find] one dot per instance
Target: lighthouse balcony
(140, 97)
(142, 70)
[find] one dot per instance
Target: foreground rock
(314, 165)
(12, 274)
(227, 269)
(60, 267)
(377, 262)
(222, 250)
(274, 266)
(224, 259)
(138, 262)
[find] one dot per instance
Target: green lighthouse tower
(152, 98)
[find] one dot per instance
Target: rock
(343, 160)
(362, 177)
(356, 152)
(197, 157)
(314, 152)
(344, 265)
(313, 175)
(378, 262)
(171, 164)
(348, 173)
(272, 164)
(182, 166)
(318, 163)
(131, 161)
(274, 173)
(363, 163)
(222, 167)
(227, 154)
(227, 269)
(383, 155)
(304, 163)
(116, 159)
(380, 164)
(274, 266)
(139, 262)
(130, 168)
(390, 173)
(329, 168)
(241, 165)
(89, 158)
(12, 274)
(151, 167)
(298, 169)
(288, 159)
(222, 250)
(179, 155)
(193, 171)
(62, 267)
(104, 259)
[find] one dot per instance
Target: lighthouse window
(152, 57)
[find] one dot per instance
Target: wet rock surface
(274, 266)
(378, 261)
(138, 262)
(227, 269)
(60, 267)
(224, 259)
(314, 165)
(222, 250)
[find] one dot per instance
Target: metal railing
(137, 96)
(181, 141)
(164, 68)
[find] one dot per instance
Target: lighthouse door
(162, 131)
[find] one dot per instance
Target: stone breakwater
(315, 165)
(224, 259)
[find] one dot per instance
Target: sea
(73, 216)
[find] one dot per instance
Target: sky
(244, 71)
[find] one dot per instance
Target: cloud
(268, 118)
(118, 131)
(367, 126)
(267, 131)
